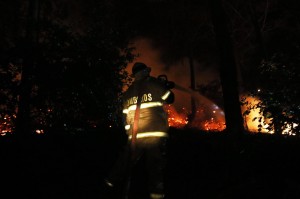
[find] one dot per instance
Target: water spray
(214, 113)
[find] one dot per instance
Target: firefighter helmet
(139, 66)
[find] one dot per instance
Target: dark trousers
(154, 151)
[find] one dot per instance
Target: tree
(29, 55)
(228, 71)
(268, 57)
(78, 72)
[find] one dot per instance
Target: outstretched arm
(171, 98)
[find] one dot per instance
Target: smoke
(178, 72)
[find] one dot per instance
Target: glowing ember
(200, 121)
(39, 131)
(177, 120)
(256, 122)
(5, 125)
(208, 117)
(250, 122)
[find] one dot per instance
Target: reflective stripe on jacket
(153, 120)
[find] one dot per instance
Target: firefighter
(146, 124)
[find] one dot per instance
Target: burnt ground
(200, 165)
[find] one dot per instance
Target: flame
(251, 120)
(207, 118)
(200, 121)
(177, 120)
(254, 119)
(6, 125)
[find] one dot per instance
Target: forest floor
(200, 165)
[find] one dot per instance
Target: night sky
(164, 33)
(167, 33)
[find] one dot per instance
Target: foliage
(79, 71)
(266, 36)
(279, 92)
(9, 76)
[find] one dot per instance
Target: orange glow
(251, 120)
(208, 119)
(180, 120)
(177, 120)
(254, 119)
(5, 125)
(39, 131)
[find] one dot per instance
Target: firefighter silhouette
(146, 124)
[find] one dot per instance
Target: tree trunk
(228, 71)
(23, 127)
(193, 87)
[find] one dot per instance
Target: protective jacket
(153, 119)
